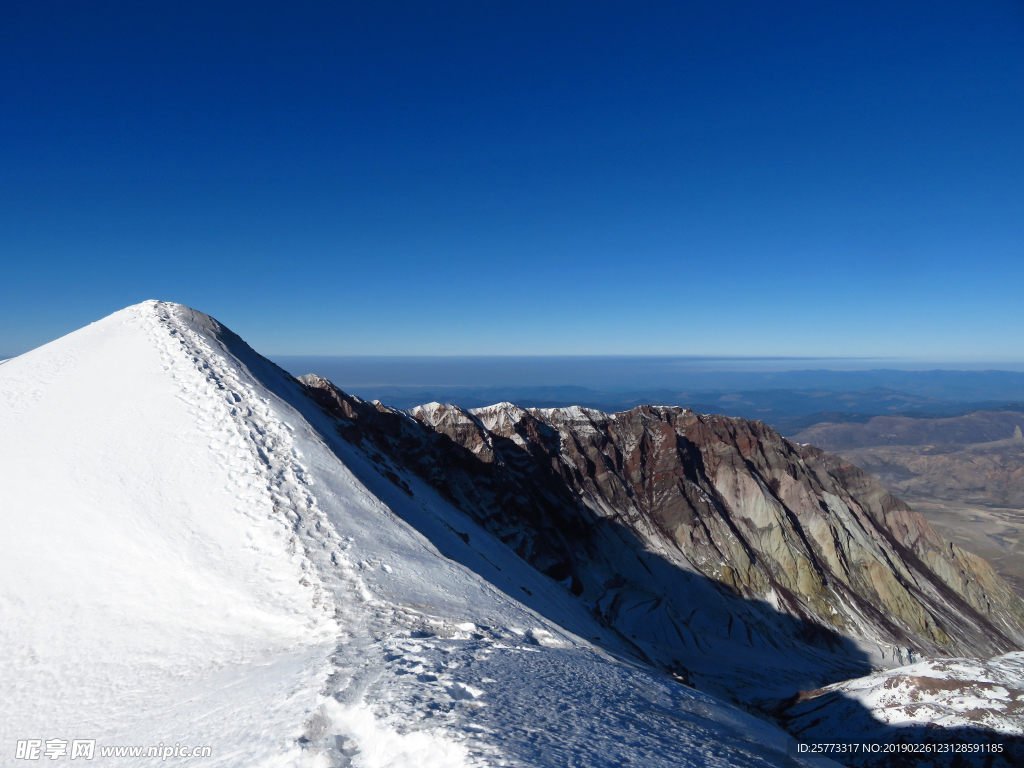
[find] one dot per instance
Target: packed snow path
(152, 589)
(185, 561)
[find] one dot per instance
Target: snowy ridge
(342, 729)
(263, 441)
(152, 568)
(190, 559)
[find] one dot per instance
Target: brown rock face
(677, 528)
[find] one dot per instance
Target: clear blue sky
(713, 178)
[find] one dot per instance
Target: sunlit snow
(185, 561)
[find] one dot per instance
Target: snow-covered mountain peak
(196, 552)
(150, 493)
(440, 413)
(499, 417)
(432, 408)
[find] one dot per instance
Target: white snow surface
(952, 693)
(151, 591)
(185, 560)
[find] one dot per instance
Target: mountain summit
(189, 561)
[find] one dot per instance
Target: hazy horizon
(638, 373)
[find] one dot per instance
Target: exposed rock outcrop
(677, 527)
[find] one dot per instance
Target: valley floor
(993, 533)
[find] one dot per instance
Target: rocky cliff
(677, 528)
(964, 474)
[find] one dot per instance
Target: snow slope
(972, 701)
(149, 593)
(186, 560)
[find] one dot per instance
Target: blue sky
(762, 179)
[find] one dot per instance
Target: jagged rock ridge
(761, 519)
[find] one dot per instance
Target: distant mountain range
(788, 410)
(574, 375)
(967, 382)
(942, 435)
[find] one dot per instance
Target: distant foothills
(788, 400)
